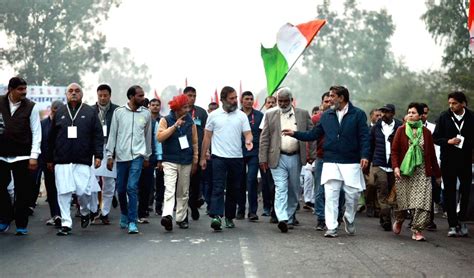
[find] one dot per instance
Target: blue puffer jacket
(345, 143)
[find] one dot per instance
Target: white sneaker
(464, 231)
(452, 232)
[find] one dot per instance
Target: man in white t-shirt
(224, 129)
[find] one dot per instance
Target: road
(249, 250)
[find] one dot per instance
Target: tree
(446, 20)
(121, 72)
(54, 42)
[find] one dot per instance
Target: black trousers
(195, 193)
(463, 172)
(159, 190)
(23, 180)
(145, 185)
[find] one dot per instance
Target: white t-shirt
(227, 129)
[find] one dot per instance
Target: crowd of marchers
(94, 158)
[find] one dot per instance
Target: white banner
(43, 96)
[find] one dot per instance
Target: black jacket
(89, 141)
(199, 116)
(378, 155)
(108, 116)
(445, 130)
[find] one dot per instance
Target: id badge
(72, 132)
(459, 136)
(183, 142)
(197, 121)
(104, 130)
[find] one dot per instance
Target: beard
(336, 106)
(228, 107)
(286, 109)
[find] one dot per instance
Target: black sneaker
(273, 220)
(114, 202)
(167, 222)
(183, 224)
(252, 217)
(240, 216)
(64, 231)
(321, 226)
(431, 227)
(195, 214)
(283, 226)
(387, 226)
(158, 211)
(105, 219)
(85, 221)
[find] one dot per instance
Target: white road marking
(250, 270)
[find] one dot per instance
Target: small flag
(291, 43)
(256, 104)
(470, 25)
(216, 96)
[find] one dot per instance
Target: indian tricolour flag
(291, 42)
(470, 25)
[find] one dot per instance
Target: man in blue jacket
(346, 152)
(381, 136)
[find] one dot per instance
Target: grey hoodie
(130, 134)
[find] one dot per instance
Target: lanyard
(457, 126)
(253, 119)
(70, 115)
(194, 111)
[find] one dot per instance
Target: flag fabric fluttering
(470, 25)
(215, 98)
(291, 43)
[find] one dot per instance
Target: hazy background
(211, 44)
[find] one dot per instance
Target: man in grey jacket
(130, 144)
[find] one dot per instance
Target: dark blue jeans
(128, 174)
(249, 183)
(226, 176)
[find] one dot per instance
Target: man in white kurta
(75, 141)
(346, 151)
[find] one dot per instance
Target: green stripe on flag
(276, 67)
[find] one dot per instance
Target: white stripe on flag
(291, 43)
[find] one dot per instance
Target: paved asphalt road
(249, 250)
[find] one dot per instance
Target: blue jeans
(287, 184)
(249, 183)
(319, 199)
(128, 174)
(226, 175)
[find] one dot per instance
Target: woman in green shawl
(414, 162)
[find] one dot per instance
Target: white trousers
(108, 190)
(332, 189)
(64, 201)
(176, 172)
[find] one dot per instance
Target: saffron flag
(470, 25)
(291, 43)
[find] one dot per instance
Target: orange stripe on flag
(310, 29)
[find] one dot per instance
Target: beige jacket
(270, 138)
